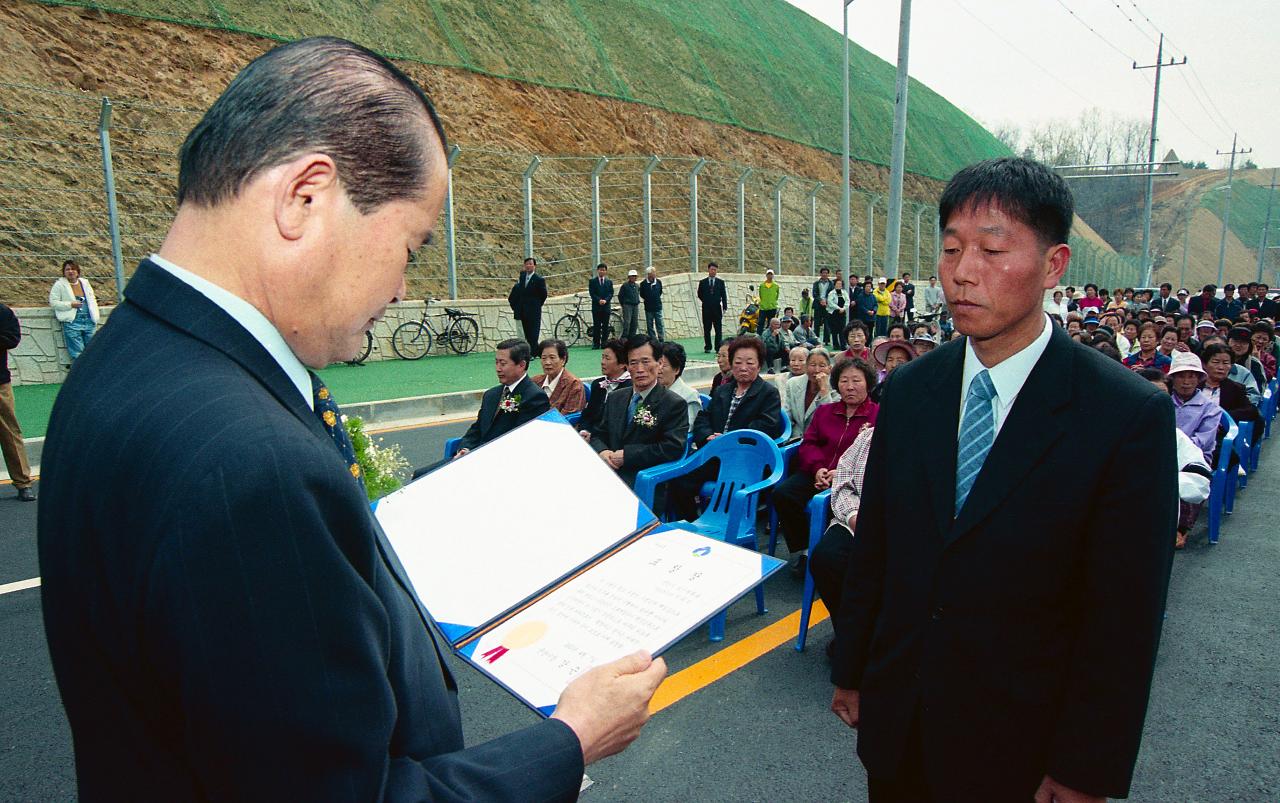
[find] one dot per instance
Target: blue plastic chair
(750, 462)
(1244, 451)
(705, 399)
(817, 510)
(786, 428)
(788, 452)
(451, 447)
(1220, 482)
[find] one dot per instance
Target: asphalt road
(763, 732)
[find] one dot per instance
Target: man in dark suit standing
(642, 425)
(512, 402)
(225, 617)
(1166, 302)
(715, 301)
(651, 295)
(987, 649)
(601, 291)
(820, 289)
(526, 298)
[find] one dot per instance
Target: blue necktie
(977, 433)
(631, 409)
(331, 419)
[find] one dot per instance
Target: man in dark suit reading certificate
(225, 616)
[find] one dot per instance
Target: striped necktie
(977, 433)
(331, 419)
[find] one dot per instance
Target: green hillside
(1248, 210)
(762, 65)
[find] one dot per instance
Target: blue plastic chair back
(587, 387)
(705, 399)
(1244, 451)
(1221, 485)
(451, 448)
(817, 510)
(786, 428)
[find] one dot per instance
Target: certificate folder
(537, 562)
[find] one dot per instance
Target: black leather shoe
(26, 495)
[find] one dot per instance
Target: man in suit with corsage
(512, 402)
(642, 425)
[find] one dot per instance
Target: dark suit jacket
(10, 337)
(760, 409)
(642, 446)
(490, 423)
(1022, 639)
(600, 293)
(595, 403)
(1167, 305)
(1233, 398)
(526, 299)
(224, 615)
(712, 294)
(651, 294)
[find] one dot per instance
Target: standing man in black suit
(715, 301)
(512, 402)
(225, 617)
(601, 291)
(642, 425)
(1166, 302)
(986, 648)
(526, 299)
(820, 290)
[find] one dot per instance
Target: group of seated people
(640, 412)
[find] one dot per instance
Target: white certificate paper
(489, 530)
(644, 597)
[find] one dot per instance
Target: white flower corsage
(511, 404)
(644, 418)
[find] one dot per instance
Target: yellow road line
(7, 481)
(731, 658)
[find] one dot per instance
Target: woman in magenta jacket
(832, 430)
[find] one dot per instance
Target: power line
(1023, 53)
(1125, 14)
(1094, 31)
(1143, 14)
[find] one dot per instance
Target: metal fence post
(813, 228)
(777, 224)
(919, 212)
(109, 183)
(742, 220)
(646, 211)
(601, 163)
(528, 205)
(693, 214)
(871, 233)
(450, 247)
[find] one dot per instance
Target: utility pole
(893, 226)
(1226, 213)
(1262, 246)
(1151, 156)
(844, 162)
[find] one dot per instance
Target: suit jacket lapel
(172, 300)
(1029, 431)
(940, 421)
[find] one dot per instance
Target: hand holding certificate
(607, 706)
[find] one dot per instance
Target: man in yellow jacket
(882, 308)
(768, 301)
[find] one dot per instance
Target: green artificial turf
(373, 381)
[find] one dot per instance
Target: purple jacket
(1198, 417)
(830, 433)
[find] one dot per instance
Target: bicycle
(413, 339)
(572, 325)
(364, 353)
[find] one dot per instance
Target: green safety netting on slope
(762, 65)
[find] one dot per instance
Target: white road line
(21, 585)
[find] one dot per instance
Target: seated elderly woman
(1194, 471)
(832, 430)
(745, 402)
(888, 355)
(830, 558)
(1220, 383)
(795, 367)
(564, 390)
(806, 393)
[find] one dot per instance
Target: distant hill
(762, 65)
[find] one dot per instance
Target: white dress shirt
(549, 385)
(253, 321)
(1007, 376)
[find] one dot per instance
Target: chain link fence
(66, 158)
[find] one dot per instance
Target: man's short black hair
(1091, 284)
(530, 259)
(561, 348)
(639, 341)
(324, 95)
(825, 270)
(1227, 287)
(713, 265)
(1024, 189)
(517, 349)
(1209, 288)
(1166, 286)
(602, 266)
(1070, 289)
(674, 354)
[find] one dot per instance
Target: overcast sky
(1029, 61)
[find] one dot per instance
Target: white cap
(768, 272)
(632, 272)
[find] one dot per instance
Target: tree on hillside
(1094, 137)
